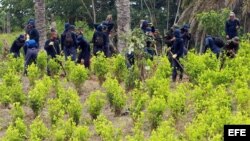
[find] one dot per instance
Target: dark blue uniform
(52, 48)
(106, 46)
(178, 49)
(17, 45)
(186, 37)
(100, 47)
(109, 25)
(85, 51)
(209, 43)
(31, 55)
(69, 50)
(33, 32)
(231, 29)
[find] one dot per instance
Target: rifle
(176, 61)
(60, 63)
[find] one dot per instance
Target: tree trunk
(8, 23)
(177, 12)
(123, 21)
(168, 14)
(89, 13)
(202, 42)
(93, 8)
(149, 11)
(40, 21)
(141, 4)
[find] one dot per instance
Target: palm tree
(245, 14)
(40, 20)
(123, 21)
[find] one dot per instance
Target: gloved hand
(51, 43)
(174, 56)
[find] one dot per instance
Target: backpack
(68, 38)
(99, 40)
(219, 42)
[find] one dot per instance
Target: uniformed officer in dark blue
(232, 26)
(177, 53)
(52, 45)
(31, 55)
(17, 45)
(85, 52)
(69, 42)
(210, 43)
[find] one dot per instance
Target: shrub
(132, 77)
(81, 133)
(39, 94)
(12, 89)
(38, 130)
(71, 103)
(21, 126)
(42, 61)
(106, 130)
(163, 69)
(33, 73)
(119, 68)
(165, 132)
(17, 112)
(58, 135)
(78, 76)
(17, 94)
(138, 104)
(155, 111)
(208, 124)
(138, 134)
(5, 97)
(213, 21)
(56, 110)
(100, 66)
(10, 78)
(12, 134)
(95, 103)
(115, 93)
(15, 64)
(69, 66)
(54, 67)
(177, 101)
(75, 109)
(16, 132)
(67, 130)
(158, 87)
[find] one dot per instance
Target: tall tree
(40, 20)
(93, 8)
(19, 12)
(123, 21)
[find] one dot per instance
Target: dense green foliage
(21, 11)
(214, 22)
(115, 94)
(106, 130)
(49, 108)
(95, 103)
